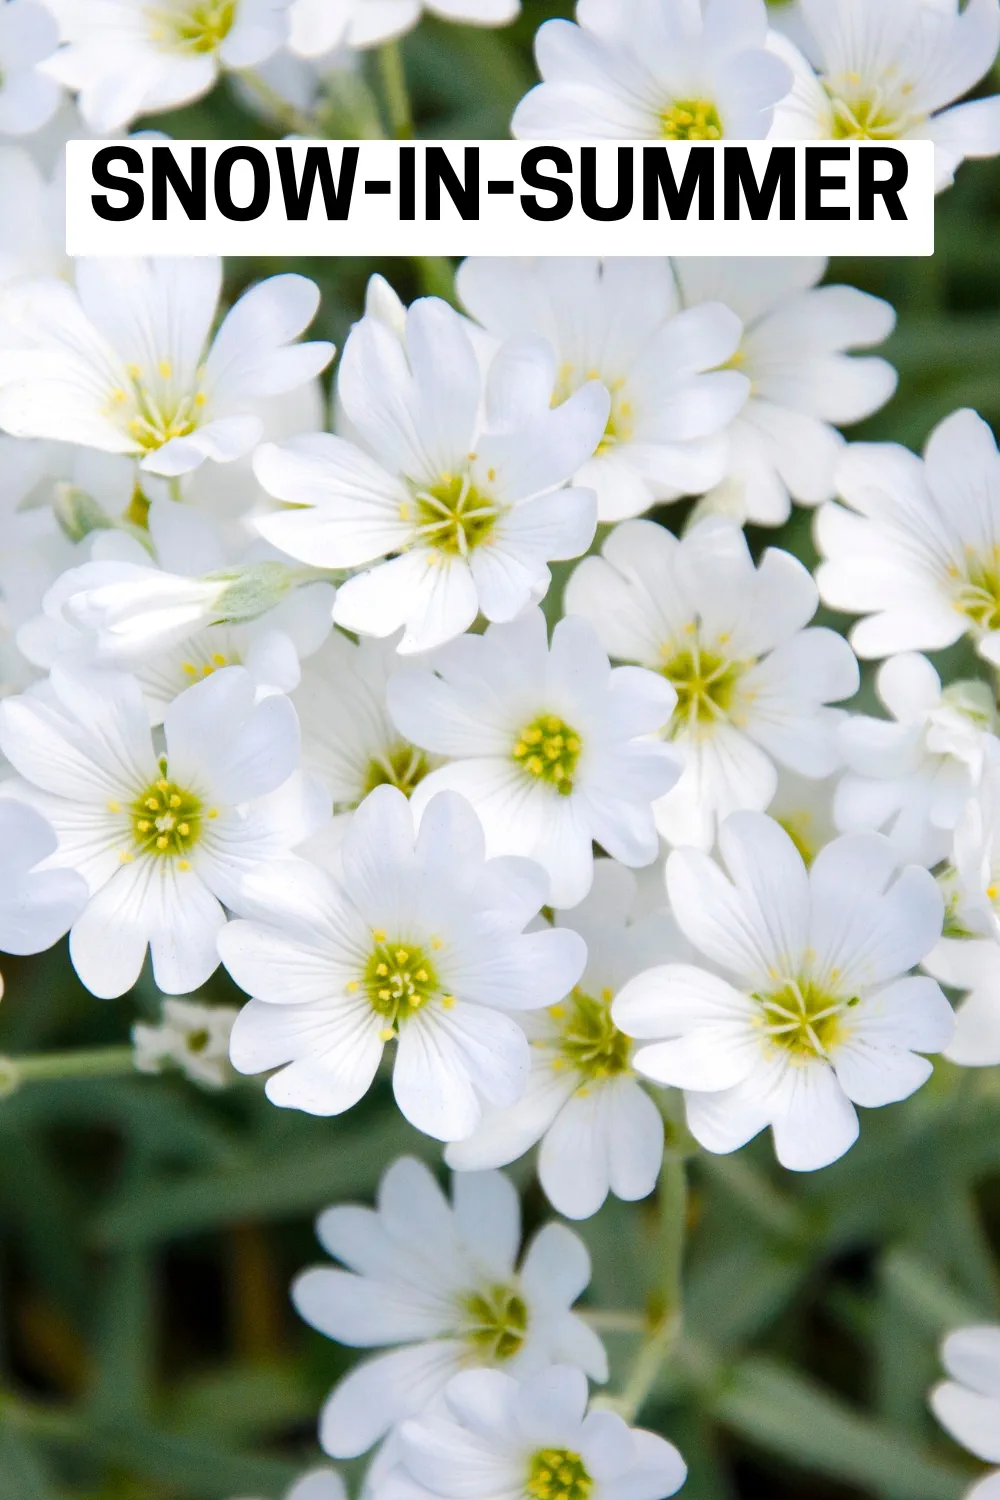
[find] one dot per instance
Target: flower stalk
(49, 1067)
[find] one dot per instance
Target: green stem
(45, 1067)
(395, 92)
(349, 109)
(292, 119)
(666, 1312)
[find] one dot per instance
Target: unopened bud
(247, 593)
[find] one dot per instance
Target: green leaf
(785, 1413)
(23, 1474)
(261, 1188)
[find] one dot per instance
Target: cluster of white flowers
(463, 752)
(684, 70)
(484, 1391)
(699, 70)
(567, 873)
(325, 732)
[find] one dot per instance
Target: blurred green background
(149, 1231)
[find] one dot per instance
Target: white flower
(320, 25)
(160, 618)
(126, 362)
(421, 940)
(318, 1484)
(439, 1281)
(911, 776)
(678, 70)
(35, 551)
(37, 906)
(546, 743)
(887, 70)
(132, 57)
(817, 1016)
(751, 682)
(32, 240)
(787, 17)
(348, 739)
(191, 1037)
(620, 320)
(918, 552)
(968, 1405)
(600, 1131)
(28, 99)
(470, 500)
(971, 882)
(162, 842)
(784, 444)
(971, 966)
(498, 1438)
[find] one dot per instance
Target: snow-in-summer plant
(599, 1130)
(438, 1285)
(676, 70)
(807, 380)
(458, 501)
(913, 544)
(888, 70)
(808, 1008)
(670, 371)
(126, 58)
(419, 941)
(163, 840)
(554, 748)
(457, 758)
(528, 1440)
(752, 682)
(126, 360)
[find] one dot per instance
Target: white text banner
(376, 198)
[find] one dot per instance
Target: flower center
(196, 670)
(558, 1474)
(977, 595)
(402, 766)
(880, 115)
(201, 27)
(166, 820)
(549, 749)
(589, 1040)
(399, 980)
(453, 516)
(691, 120)
(804, 1018)
(705, 682)
(496, 1323)
(151, 411)
(621, 418)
